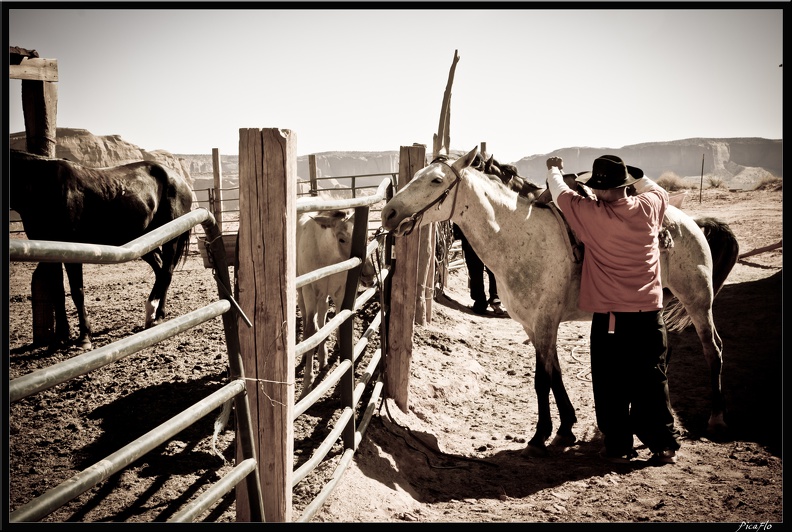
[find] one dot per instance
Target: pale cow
(323, 239)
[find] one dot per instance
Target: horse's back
(64, 200)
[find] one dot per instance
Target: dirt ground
(454, 456)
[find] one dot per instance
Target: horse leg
(548, 378)
(544, 426)
(162, 264)
(712, 345)
(75, 273)
(322, 308)
(309, 314)
(49, 278)
(566, 412)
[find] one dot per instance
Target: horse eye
(438, 180)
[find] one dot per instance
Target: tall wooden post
(403, 292)
(267, 295)
(40, 109)
(217, 170)
(425, 275)
(312, 174)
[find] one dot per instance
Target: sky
(528, 81)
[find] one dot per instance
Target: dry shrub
(715, 182)
(671, 182)
(769, 183)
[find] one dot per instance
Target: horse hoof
(534, 451)
(564, 440)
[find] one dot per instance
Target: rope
(436, 451)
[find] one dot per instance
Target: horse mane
(505, 175)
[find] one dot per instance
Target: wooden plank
(764, 249)
(312, 177)
(217, 174)
(267, 294)
(425, 279)
(35, 69)
(40, 109)
(403, 292)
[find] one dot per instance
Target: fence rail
(246, 470)
(26, 385)
(344, 315)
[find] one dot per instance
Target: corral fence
(261, 350)
(223, 200)
(43, 379)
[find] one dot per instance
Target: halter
(416, 218)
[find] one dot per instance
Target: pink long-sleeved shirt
(621, 268)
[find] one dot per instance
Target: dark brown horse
(64, 201)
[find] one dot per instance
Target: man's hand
(555, 161)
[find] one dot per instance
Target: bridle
(416, 218)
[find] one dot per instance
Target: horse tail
(725, 251)
(182, 248)
(724, 248)
(176, 201)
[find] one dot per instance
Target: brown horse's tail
(182, 249)
(725, 251)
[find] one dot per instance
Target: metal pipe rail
(205, 501)
(56, 251)
(346, 457)
(313, 204)
(46, 378)
(333, 377)
(247, 470)
(102, 470)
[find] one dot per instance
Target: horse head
(412, 206)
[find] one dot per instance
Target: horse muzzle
(406, 226)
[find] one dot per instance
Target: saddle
(545, 200)
(576, 247)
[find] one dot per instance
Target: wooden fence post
(267, 295)
(40, 109)
(217, 170)
(312, 174)
(403, 292)
(425, 276)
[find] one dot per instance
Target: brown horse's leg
(75, 274)
(155, 304)
(50, 275)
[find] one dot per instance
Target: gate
(267, 289)
(247, 467)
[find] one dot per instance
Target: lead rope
(379, 233)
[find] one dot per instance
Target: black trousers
(628, 373)
(476, 271)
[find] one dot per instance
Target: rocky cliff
(739, 162)
(81, 146)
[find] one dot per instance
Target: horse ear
(467, 160)
(324, 221)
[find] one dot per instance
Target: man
(621, 285)
(476, 270)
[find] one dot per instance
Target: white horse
(322, 240)
(529, 252)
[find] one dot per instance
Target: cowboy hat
(609, 171)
